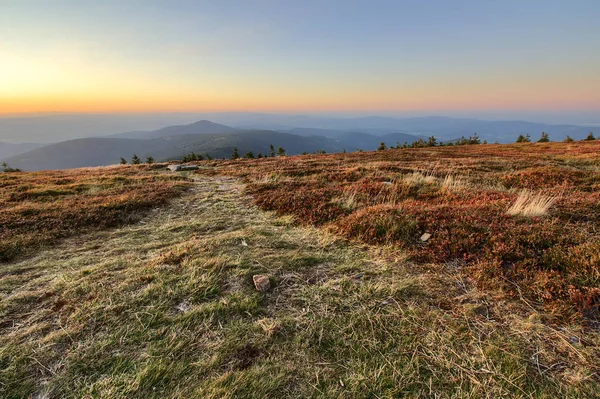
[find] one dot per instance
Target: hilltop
(137, 282)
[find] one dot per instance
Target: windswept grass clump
(37, 208)
(530, 204)
(393, 197)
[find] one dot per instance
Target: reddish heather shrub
(312, 206)
(39, 207)
(545, 177)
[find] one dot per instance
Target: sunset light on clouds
(97, 56)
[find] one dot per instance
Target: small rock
(386, 302)
(178, 168)
(183, 306)
(244, 243)
(574, 340)
(261, 282)
(425, 237)
(358, 276)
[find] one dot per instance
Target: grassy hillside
(461, 196)
(161, 303)
(38, 208)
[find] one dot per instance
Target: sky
(301, 55)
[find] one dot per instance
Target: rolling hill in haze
(442, 127)
(60, 127)
(200, 137)
(11, 149)
(200, 127)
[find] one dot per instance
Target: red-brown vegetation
(393, 197)
(39, 207)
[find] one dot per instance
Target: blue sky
(299, 55)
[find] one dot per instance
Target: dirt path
(166, 308)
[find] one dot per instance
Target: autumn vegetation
(463, 271)
(518, 218)
(38, 208)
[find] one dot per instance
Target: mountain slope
(443, 128)
(200, 127)
(10, 149)
(221, 145)
(108, 150)
(175, 141)
(82, 152)
(54, 128)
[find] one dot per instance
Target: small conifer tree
(544, 138)
(523, 139)
(135, 160)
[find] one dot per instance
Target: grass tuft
(530, 204)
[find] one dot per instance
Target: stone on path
(178, 168)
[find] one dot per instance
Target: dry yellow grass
(531, 204)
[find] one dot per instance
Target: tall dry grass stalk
(531, 204)
(347, 202)
(418, 178)
(268, 178)
(453, 183)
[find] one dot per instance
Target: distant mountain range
(252, 132)
(12, 149)
(203, 137)
(200, 127)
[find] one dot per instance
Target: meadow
(37, 209)
(521, 218)
(447, 272)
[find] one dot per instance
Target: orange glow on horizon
(139, 105)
